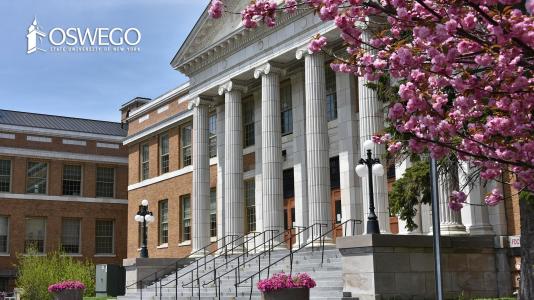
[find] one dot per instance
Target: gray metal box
(110, 280)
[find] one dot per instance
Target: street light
(369, 167)
(144, 216)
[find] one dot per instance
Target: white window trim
(81, 179)
(47, 177)
(7, 136)
(10, 175)
(40, 139)
(45, 234)
(112, 254)
(162, 246)
(114, 182)
(74, 142)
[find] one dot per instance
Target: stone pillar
(220, 174)
(475, 216)
(371, 123)
(234, 208)
(349, 151)
(450, 221)
(299, 153)
(271, 153)
(258, 165)
(399, 172)
(201, 176)
(317, 144)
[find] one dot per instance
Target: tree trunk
(527, 249)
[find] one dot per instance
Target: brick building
(62, 186)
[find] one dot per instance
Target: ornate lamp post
(369, 167)
(144, 216)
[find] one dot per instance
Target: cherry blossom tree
(462, 70)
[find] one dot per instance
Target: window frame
(63, 179)
(112, 237)
(288, 183)
(79, 235)
(143, 163)
(183, 147)
(164, 156)
(331, 95)
(213, 212)
(114, 182)
(9, 177)
(7, 234)
(333, 164)
(212, 135)
(286, 110)
(183, 218)
(45, 233)
(28, 177)
(248, 122)
(250, 210)
(161, 238)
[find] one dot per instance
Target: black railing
(156, 276)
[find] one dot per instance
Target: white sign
(75, 39)
(515, 241)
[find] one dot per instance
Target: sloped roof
(26, 119)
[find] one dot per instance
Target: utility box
(110, 280)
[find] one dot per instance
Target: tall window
(37, 177)
(286, 106)
(5, 175)
(212, 125)
(186, 145)
(248, 122)
(104, 233)
(105, 182)
(338, 212)
(163, 222)
(4, 234)
(35, 234)
(288, 183)
(144, 162)
(72, 180)
(186, 217)
(250, 204)
(213, 212)
(334, 172)
(164, 153)
(331, 96)
(70, 236)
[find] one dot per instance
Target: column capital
(268, 68)
(304, 51)
(198, 101)
(231, 85)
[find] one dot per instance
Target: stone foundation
(139, 268)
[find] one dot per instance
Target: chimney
(130, 106)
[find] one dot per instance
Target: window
(248, 122)
(186, 145)
(286, 107)
(288, 183)
(37, 177)
(144, 162)
(331, 96)
(163, 217)
(250, 204)
(334, 172)
(104, 232)
(213, 212)
(212, 125)
(164, 153)
(338, 211)
(35, 234)
(70, 235)
(72, 180)
(4, 234)
(105, 182)
(186, 217)
(5, 175)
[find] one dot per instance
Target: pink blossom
(494, 198)
(66, 285)
(457, 200)
(282, 281)
(317, 44)
(215, 10)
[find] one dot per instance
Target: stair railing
(321, 237)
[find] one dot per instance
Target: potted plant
(285, 287)
(67, 290)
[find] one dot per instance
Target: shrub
(38, 272)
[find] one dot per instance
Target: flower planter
(75, 294)
(288, 294)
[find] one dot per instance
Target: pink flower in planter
(66, 285)
(282, 281)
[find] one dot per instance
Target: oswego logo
(75, 39)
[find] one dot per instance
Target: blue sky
(91, 85)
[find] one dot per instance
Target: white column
(220, 175)
(299, 153)
(349, 152)
(234, 208)
(258, 166)
(271, 154)
(371, 123)
(400, 169)
(317, 145)
(475, 216)
(201, 176)
(450, 221)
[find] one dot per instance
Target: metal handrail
(321, 236)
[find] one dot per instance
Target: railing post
(192, 283)
(176, 281)
(156, 282)
(141, 289)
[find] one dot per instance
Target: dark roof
(27, 119)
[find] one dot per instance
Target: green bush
(37, 272)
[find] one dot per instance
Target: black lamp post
(369, 167)
(144, 216)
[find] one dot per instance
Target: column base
(452, 229)
(480, 230)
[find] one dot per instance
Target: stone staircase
(328, 277)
